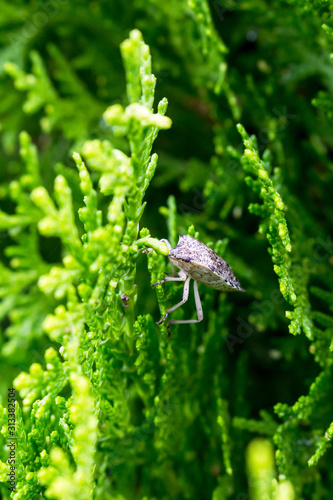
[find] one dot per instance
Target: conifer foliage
(123, 124)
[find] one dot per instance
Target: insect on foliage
(198, 262)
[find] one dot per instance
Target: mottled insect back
(198, 262)
(204, 265)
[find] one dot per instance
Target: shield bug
(198, 262)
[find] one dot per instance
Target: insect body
(200, 263)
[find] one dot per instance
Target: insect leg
(171, 264)
(198, 307)
(184, 299)
(181, 277)
(197, 301)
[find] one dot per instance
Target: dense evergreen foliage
(123, 123)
